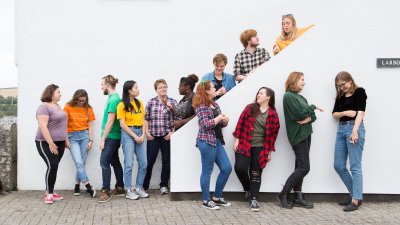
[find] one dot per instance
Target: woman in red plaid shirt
(210, 143)
(255, 135)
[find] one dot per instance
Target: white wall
(74, 43)
(8, 71)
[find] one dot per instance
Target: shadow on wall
(8, 157)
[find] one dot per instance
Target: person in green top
(298, 117)
(110, 141)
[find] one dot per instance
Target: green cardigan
(296, 108)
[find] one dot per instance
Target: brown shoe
(118, 191)
(105, 196)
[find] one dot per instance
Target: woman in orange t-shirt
(290, 33)
(80, 137)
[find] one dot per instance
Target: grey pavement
(28, 208)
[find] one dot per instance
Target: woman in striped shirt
(80, 137)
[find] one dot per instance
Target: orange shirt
(283, 44)
(78, 118)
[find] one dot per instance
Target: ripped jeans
(249, 172)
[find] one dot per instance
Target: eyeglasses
(287, 15)
(342, 85)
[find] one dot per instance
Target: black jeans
(302, 166)
(153, 147)
(51, 161)
(249, 172)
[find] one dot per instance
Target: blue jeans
(78, 141)
(153, 147)
(344, 149)
(129, 146)
(209, 156)
(109, 156)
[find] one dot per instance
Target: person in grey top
(184, 110)
(50, 137)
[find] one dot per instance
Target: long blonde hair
(292, 35)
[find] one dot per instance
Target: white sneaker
(141, 192)
(130, 194)
(164, 190)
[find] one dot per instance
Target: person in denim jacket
(223, 82)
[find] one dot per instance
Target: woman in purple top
(50, 137)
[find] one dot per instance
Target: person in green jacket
(298, 117)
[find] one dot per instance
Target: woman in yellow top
(290, 33)
(130, 113)
(80, 137)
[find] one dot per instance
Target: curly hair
(201, 97)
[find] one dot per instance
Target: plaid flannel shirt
(246, 62)
(244, 131)
(207, 124)
(160, 117)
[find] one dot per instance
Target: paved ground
(28, 208)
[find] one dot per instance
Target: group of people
(257, 130)
(129, 123)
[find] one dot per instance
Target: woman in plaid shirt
(255, 135)
(210, 143)
(159, 125)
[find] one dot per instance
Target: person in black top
(184, 110)
(349, 109)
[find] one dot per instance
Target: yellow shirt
(283, 44)
(134, 118)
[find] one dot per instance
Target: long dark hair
(255, 108)
(126, 97)
(78, 94)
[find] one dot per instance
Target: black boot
(282, 198)
(300, 201)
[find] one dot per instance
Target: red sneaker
(48, 199)
(57, 197)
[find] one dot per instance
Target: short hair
(111, 80)
(220, 58)
(159, 81)
(293, 78)
(48, 93)
(246, 35)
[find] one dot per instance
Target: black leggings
(249, 172)
(51, 161)
(302, 166)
